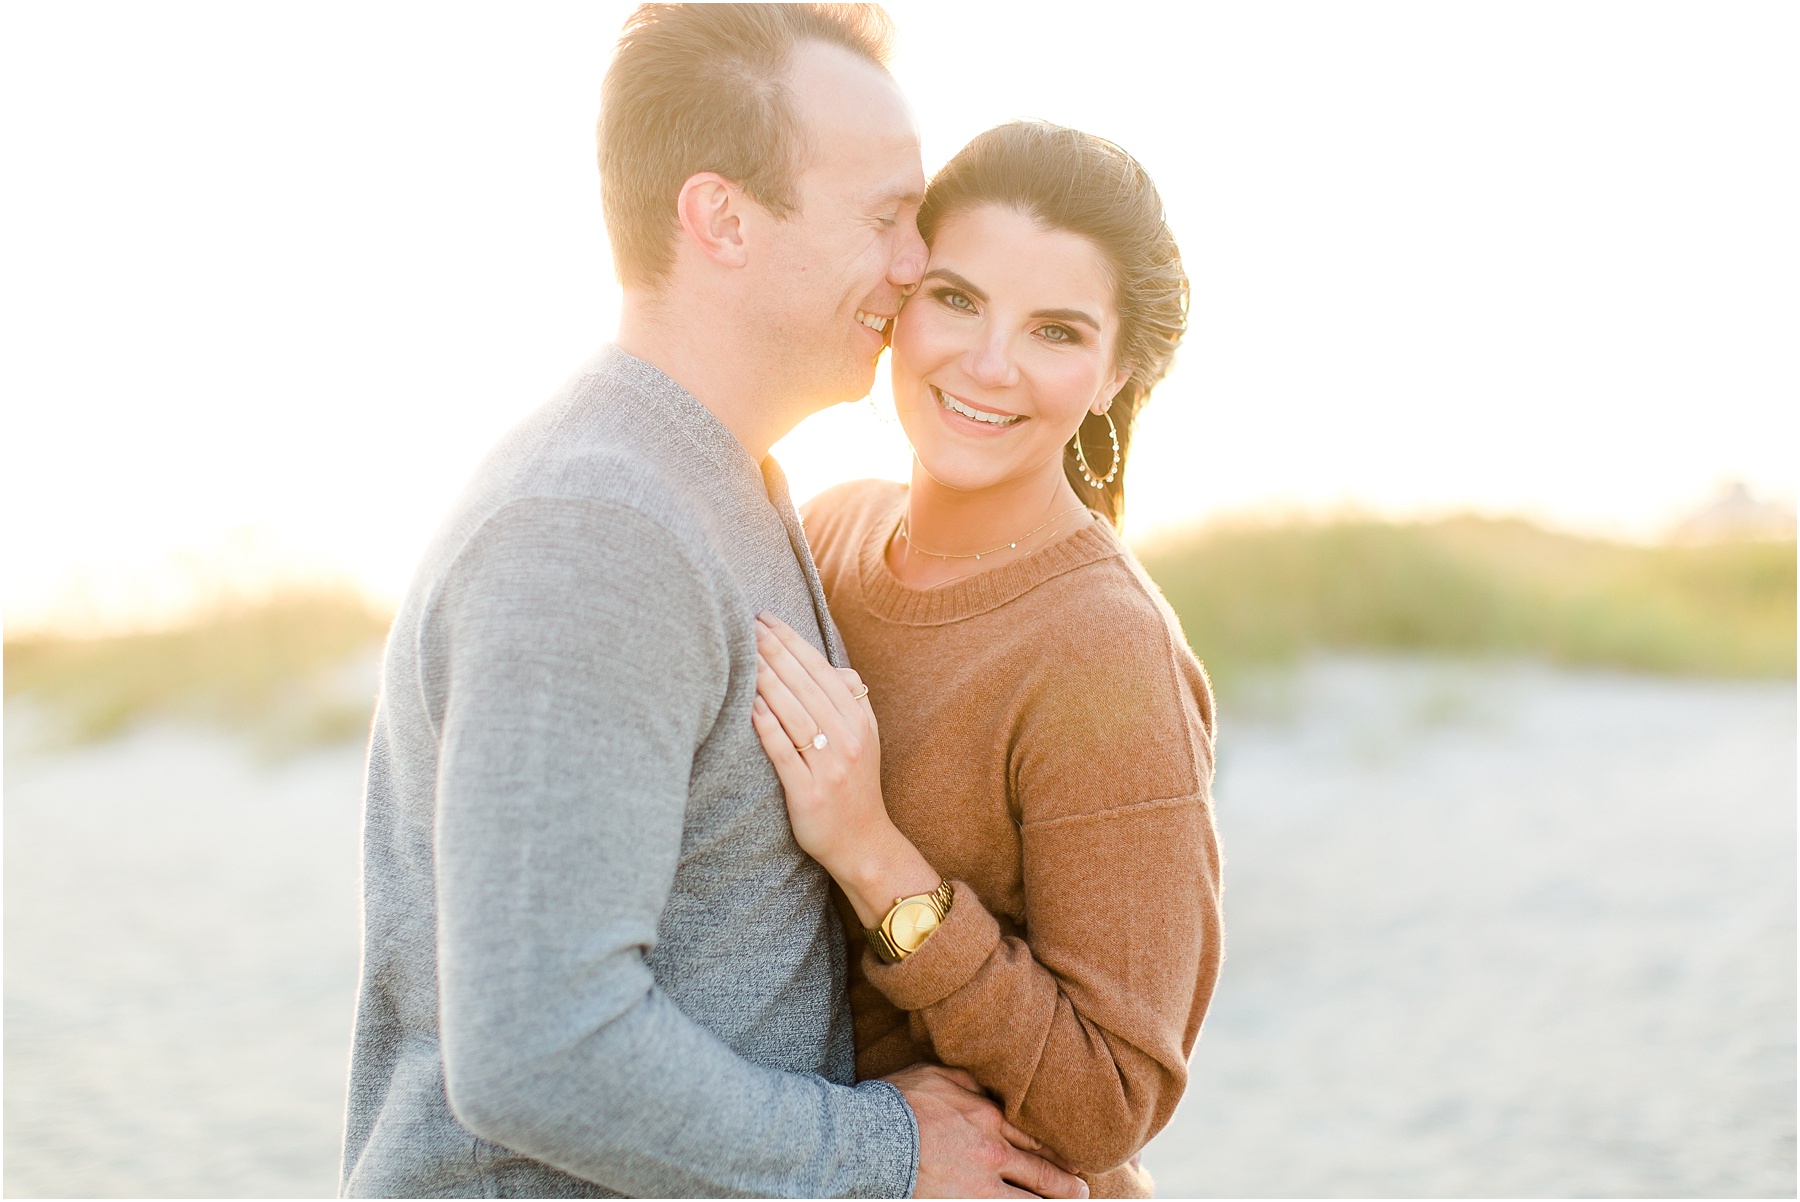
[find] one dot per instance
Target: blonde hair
(703, 87)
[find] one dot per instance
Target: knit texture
(1046, 742)
(594, 960)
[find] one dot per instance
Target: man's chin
(855, 389)
(854, 380)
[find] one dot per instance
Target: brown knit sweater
(1046, 742)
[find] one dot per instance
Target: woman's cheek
(1067, 391)
(917, 338)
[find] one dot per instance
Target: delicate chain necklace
(1006, 546)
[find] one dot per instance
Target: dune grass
(1250, 595)
(281, 668)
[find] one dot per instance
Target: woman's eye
(1059, 334)
(955, 299)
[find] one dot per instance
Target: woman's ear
(1103, 401)
(710, 208)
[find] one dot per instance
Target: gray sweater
(594, 960)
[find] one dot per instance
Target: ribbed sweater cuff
(892, 1167)
(945, 962)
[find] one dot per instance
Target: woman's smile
(1008, 343)
(970, 417)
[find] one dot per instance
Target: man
(595, 962)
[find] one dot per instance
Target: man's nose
(908, 267)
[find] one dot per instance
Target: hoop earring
(1087, 473)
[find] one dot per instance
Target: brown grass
(1255, 594)
(275, 667)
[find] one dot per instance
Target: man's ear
(710, 208)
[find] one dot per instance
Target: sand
(181, 951)
(1493, 931)
(1506, 932)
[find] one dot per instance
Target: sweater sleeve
(1083, 1025)
(585, 663)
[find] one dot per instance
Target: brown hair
(703, 87)
(1071, 181)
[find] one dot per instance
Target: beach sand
(181, 953)
(1499, 932)
(1492, 931)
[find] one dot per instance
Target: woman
(1039, 797)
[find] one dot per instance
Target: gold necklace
(1006, 546)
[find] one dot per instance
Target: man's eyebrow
(956, 281)
(901, 194)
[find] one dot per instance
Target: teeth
(993, 419)
(878, 324)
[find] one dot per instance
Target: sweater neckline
(886, 597)
(679, 414)
(675, 413)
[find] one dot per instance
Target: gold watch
(909, 923)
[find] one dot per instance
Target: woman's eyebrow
(956, 281)
(1067, 315)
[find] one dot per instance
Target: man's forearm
(651, 1104)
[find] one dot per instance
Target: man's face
(839, 268)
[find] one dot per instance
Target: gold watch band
(930, 910)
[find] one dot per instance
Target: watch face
(910, 923)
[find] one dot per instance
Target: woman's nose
(991, 365)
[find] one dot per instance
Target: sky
(277, 275)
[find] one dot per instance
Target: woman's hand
(833, 785)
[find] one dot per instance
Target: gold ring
(818, 743)
(861, 695)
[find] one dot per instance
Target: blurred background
(1473, 486)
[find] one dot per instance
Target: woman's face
(1008, 343)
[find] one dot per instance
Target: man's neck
(705, 357)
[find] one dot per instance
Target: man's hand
(967, 1149)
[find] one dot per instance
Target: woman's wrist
(884, 869)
